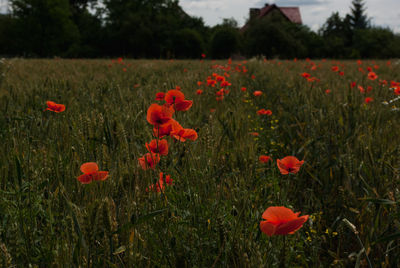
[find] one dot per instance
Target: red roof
(291, 13)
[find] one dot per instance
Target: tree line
(161, 29)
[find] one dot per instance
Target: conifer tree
(358, 18)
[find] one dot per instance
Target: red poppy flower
(383, 82)
(203, 55)
(243, 89)
(327, 91)
(264, 158)
(177, 98)
(184, 134)
(199, 83)
(162, 130)
(158, 146)
(353, 84)
(183, 105)
(160, 96)
(368, 100)
(166, 129)
(372, 76)
(211, 82)
(173, 96)
(199, 92)
(397, 90)
(225, 84)
(289, 164)
(91, 173)
(220, 78)
(149, 160)
(305, 75)
(361, 89)
(312, 79)
(159, 114)
(160, 186)
(220, 92)
(341, 73)
(55, 107)
(255, 134)
(257, 93)
(281, 221)
(264, 112)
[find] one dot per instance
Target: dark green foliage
(225, 42)
(376, 43)
(274, 36)
(44, 27)
(161, 29)
(188, 44)
(358, 18)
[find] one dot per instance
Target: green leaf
(119, 250)
(388, 238)
(136, 221)
(146, 217)
(381, 201)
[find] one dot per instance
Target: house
(292, 14)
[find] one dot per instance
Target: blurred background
(161, 29)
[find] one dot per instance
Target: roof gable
(290, 13)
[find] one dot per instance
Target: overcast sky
(313, 12)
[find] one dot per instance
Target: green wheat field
(342, 122)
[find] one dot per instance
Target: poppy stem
(283, 253)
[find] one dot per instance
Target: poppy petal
(174, 96)
(183, 105)
(278, 214)
(100, 176)
(85, 178)
(89, 167)
(267, 228)
(282, 167)
(291, 226)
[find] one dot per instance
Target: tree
(275, 36)
(148, 28)
(44, 27)
(337, 36)
(376, 42)
(225, 40)
(358, 18)
(188, 44)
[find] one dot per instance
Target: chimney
(254, 12)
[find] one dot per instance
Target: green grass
(210, 216)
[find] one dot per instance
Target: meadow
(340, 117)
